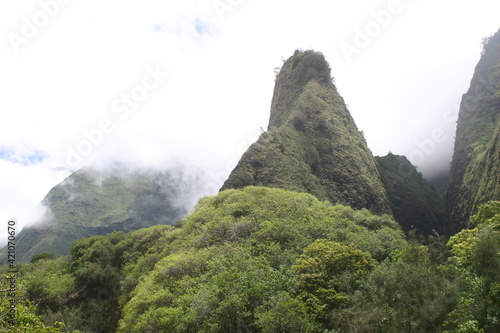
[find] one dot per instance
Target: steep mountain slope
(312, 144)
(89, 203)
(414, 202)
(475, 168)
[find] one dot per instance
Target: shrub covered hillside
(312, 144)
(235, 264)
(260, 259)
(269, 260)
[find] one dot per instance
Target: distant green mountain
(91, 202)
(312, 143)
(475, 168)
(414, 202)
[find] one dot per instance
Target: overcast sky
(155, 81)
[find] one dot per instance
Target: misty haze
(235, 166)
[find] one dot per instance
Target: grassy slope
(312, 144)
(476, 161)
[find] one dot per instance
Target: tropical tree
(477, 259)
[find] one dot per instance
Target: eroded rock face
(475, 167)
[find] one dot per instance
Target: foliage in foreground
(269, 260)
(477, 258)
(244, 254)
(17, 314)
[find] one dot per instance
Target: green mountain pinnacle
(312, 143)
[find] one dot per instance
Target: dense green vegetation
(475, 168)
(24, 318)
(312, 144)
(92, 202)
(414, 202)
(269, 260)
(477, 258)
(228, 266)
(305, 253)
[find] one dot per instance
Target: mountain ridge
(416, 205)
